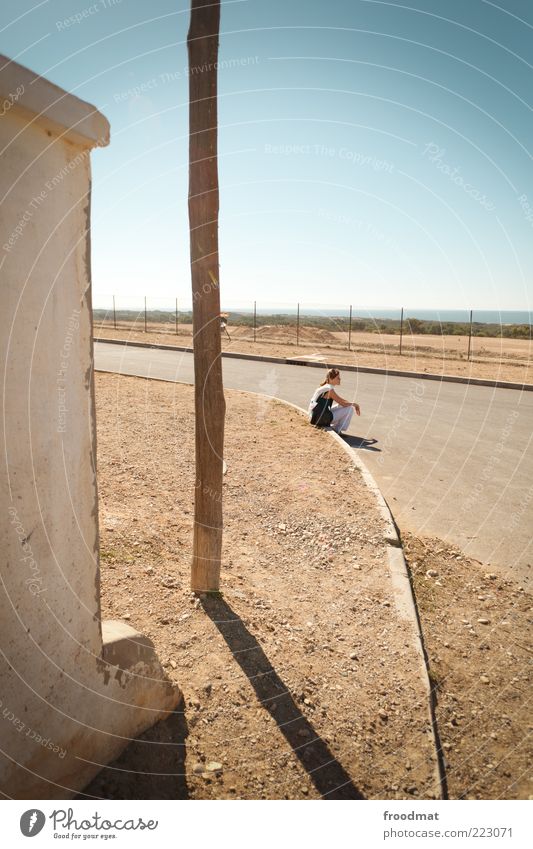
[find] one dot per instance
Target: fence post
(145, 330)
(298, 324)
(350, 331)
(469, 337)
(114, 314)
(255, 318)
(177, 325)
(401, 332)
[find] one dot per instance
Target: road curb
(414, 375)
(401, 582)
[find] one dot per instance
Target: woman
(341, 411)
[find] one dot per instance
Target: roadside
(301, 681)
(368, 352)
(477, 628)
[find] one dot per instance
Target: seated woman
(327, 409)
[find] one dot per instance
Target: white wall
(61, 703)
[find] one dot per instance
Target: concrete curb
(415, 375)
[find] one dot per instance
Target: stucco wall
(61, 704)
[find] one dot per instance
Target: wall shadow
(151, 767)
(327, 774)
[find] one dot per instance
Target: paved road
(453, 461)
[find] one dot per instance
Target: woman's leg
(342, 417)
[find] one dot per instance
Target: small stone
(483, 621)
(126, 616)
(198, 769)
(214, 766)
(282, 526)
(170, 582)
(432, 573)
(173, 664)
(484, 679)
(383, 715)
(353, 656)
(149, 570)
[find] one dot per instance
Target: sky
(370, 153)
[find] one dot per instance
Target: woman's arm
(343, 402)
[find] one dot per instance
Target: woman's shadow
(360, 442)
(327, 774)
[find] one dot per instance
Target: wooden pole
(469, 337)
(401, 332)
(350, 331)
(145, 328)
(298, 324)
(114, 314)
(177, 324)
(202, 46)
(255, 319)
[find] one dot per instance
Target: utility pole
(202, 46)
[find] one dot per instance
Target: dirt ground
(477, 630)
(299, 682)
(495, 359)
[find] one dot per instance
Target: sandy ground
(299, 683)
(477, 630)
(302, 681)
(502, 359)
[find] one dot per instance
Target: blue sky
(373, 153)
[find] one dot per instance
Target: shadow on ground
(327, 774)
(151, 767)
(360, 442)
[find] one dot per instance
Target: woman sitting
(327, 409)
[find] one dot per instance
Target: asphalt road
(453, 461)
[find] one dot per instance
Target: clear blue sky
(374, 153)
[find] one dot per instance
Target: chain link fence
(460, 334)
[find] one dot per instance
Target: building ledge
(60, 112)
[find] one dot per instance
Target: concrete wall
(66, 706)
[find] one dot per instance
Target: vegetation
(418, 327)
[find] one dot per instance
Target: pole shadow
(327, 774)
(151, 767)
(360, 442)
